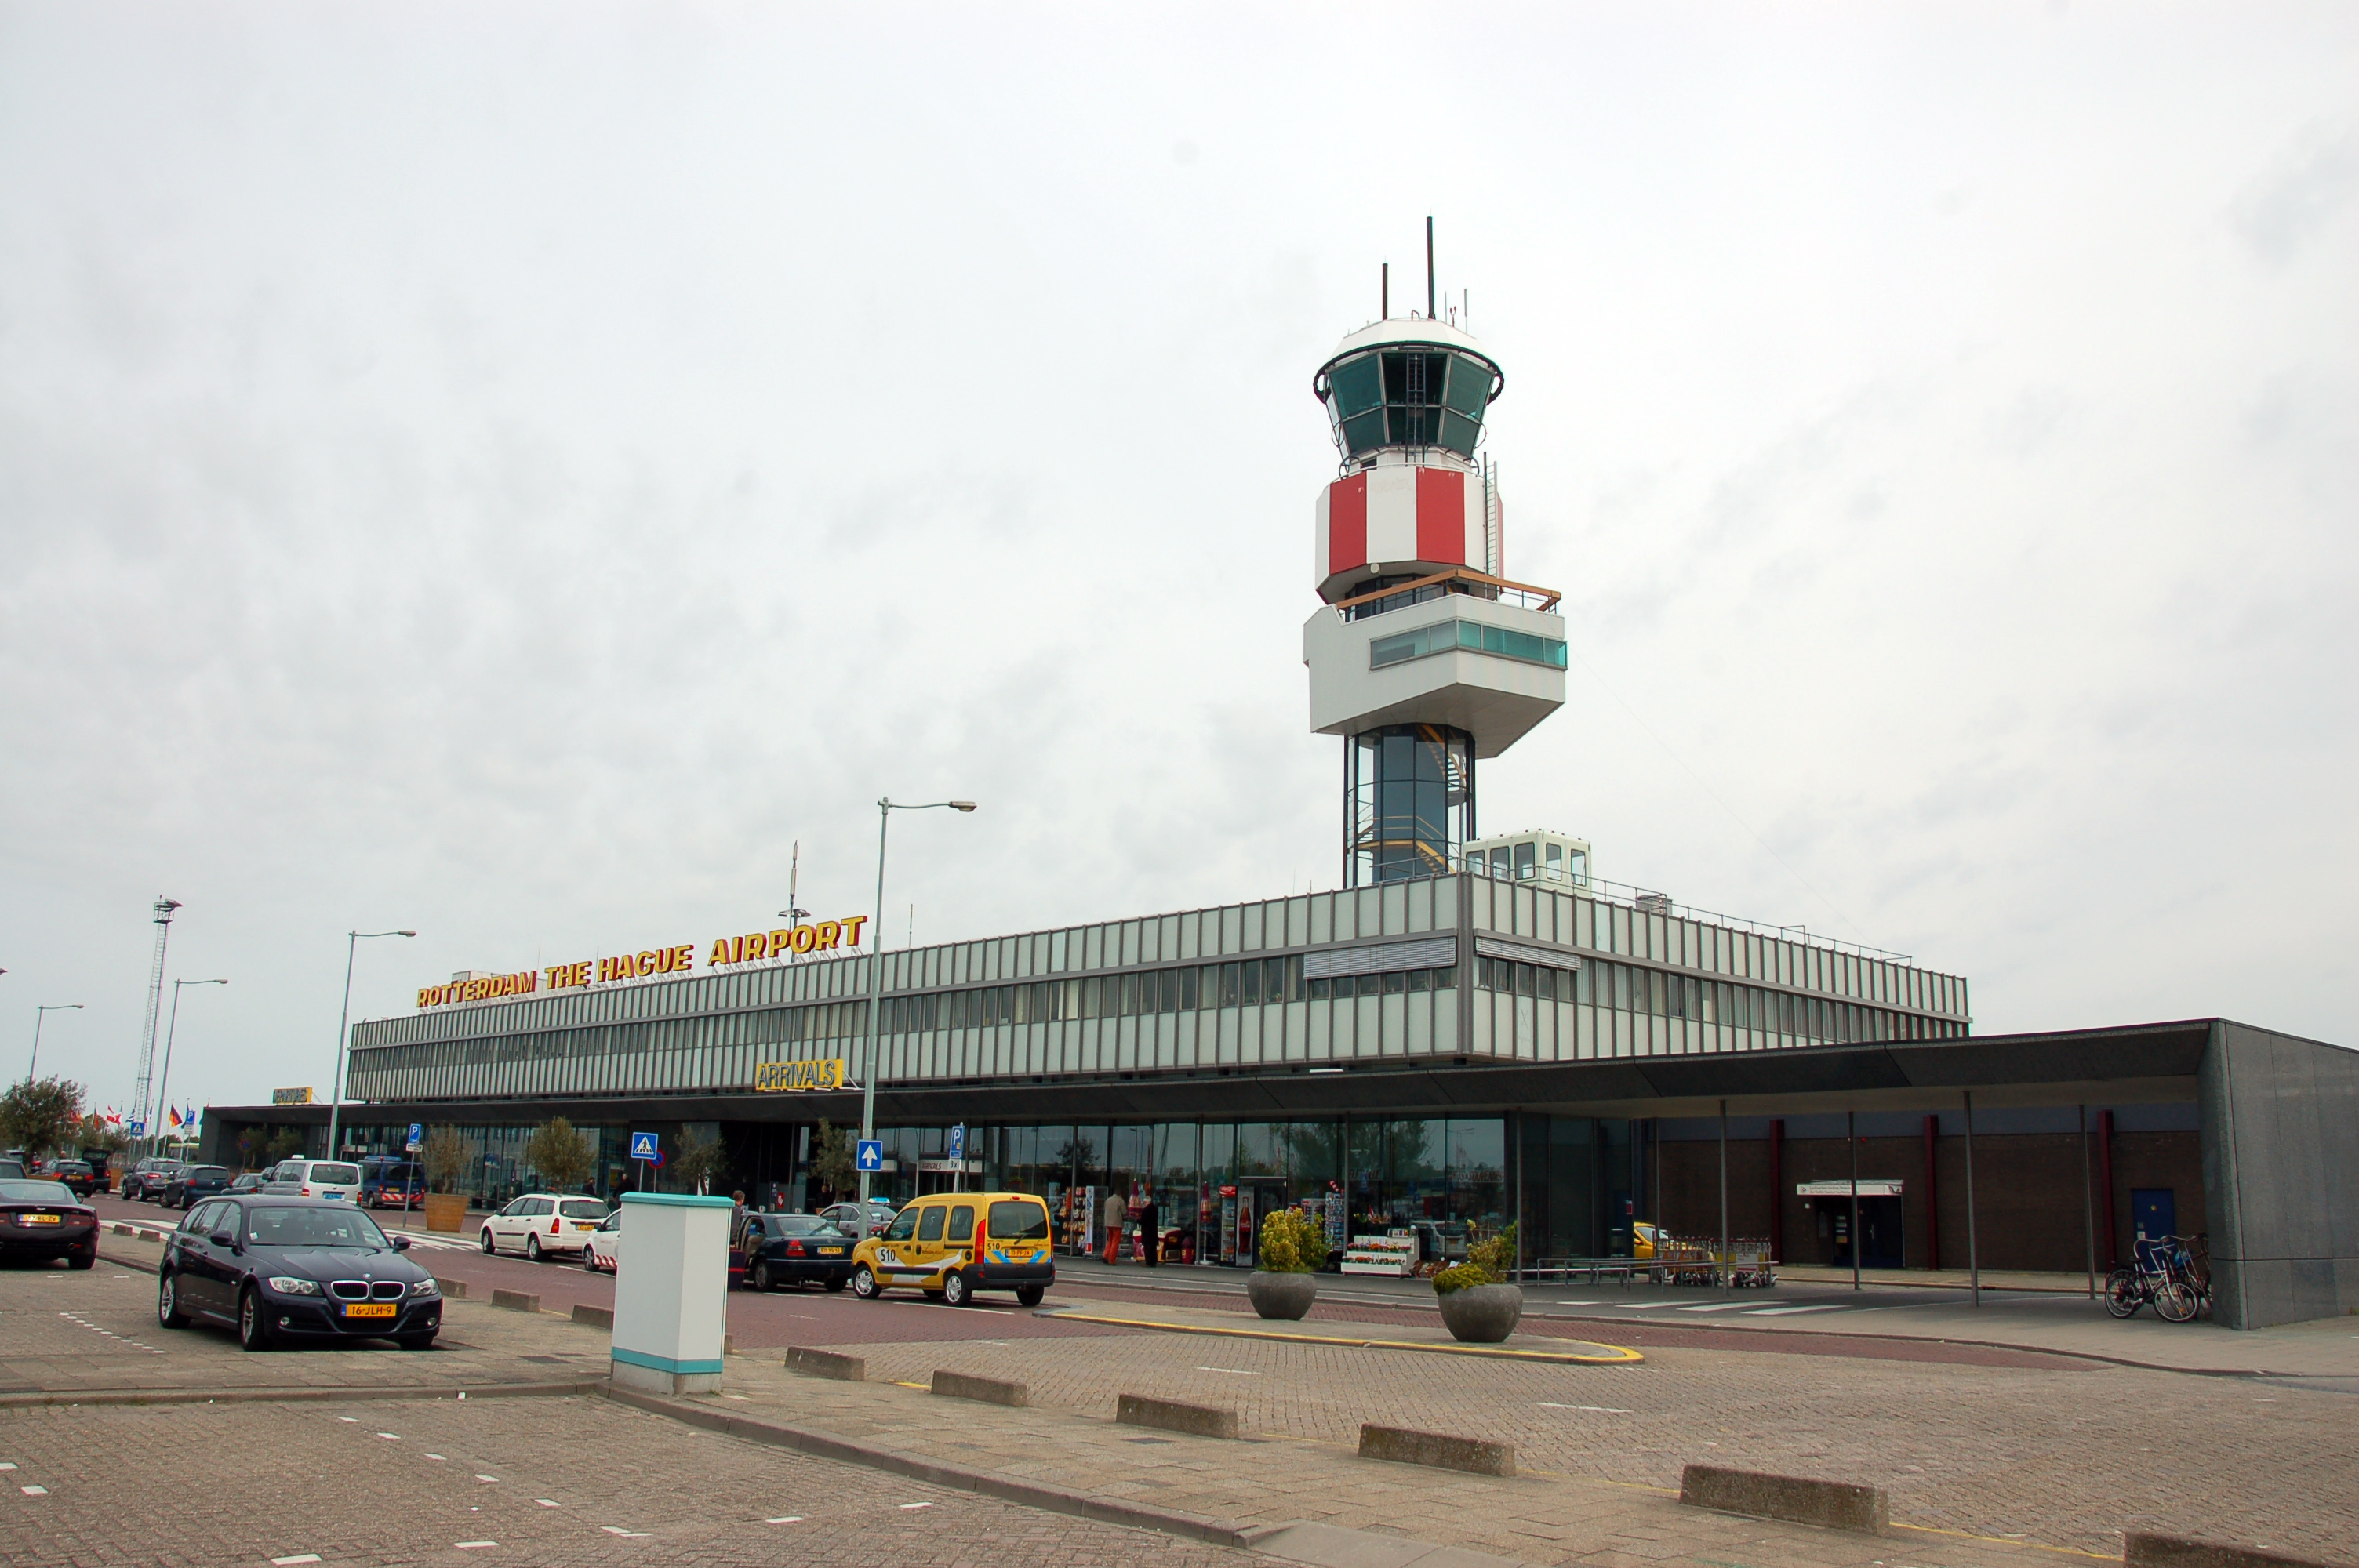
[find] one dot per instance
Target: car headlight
(425, 1288)
(287, 1285)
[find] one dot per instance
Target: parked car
(12, 1171)
(192, 1184)
(246, 1181)
(603, 1247)
(539, 1224)
(953, 1244)
(44, 1219)
(845, 1217)
(777, 1250)
(390, 1183)
(143, 1183)
(315, 1179)
(280, 1268)
(76, 1176)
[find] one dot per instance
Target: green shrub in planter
(1291, 1243)
(1460, 1277)
(1487, 1263)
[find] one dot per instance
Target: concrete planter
(1281, 1295)
(1482, 1314)
(446, 1212)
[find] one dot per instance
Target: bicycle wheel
(2174, 1302)
(2124, 1292)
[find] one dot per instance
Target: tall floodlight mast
(1425, 657)
(164, 908)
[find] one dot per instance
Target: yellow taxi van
(951, 1245)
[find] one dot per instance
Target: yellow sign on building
(290, 1097)
(794, 1078)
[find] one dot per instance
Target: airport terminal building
(1470, 1033)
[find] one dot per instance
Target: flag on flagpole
(173, 1114)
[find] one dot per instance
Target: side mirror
(401, 1244)
(223, 1239)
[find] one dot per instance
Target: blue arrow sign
(868, 1154)
(642, 1146)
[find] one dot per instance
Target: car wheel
(168, 1303)
(532, 1248)
(87, 1256)
(760, 1278)
(955, 1291)
(253, 1331)
(590, 1258)
(1029, 1295)
(863, 1283)
(487, 1238)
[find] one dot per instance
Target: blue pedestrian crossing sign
(642, 1146)
(958, 1141)
(416, 1137)
(868, 1154)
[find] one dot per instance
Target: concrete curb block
(2141, 1550)
(593, 1316)
(1171, 1416)
(1837, 1504)
(453, 1289)
(955, 1477)
(826, 1364)
(294, 1395)
(990, 1390)
(516, 1301)
(1403, 1446)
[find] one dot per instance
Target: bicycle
(2165, 1273)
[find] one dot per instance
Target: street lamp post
(37, 1013)
(164, 1079)
(885, 810)
(336, 1096)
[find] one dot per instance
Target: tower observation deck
(1424, 655)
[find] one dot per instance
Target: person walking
(1151, 1231)
(1116, 1211)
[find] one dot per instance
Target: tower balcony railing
(1457, 579)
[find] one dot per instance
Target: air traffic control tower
(1424, 657)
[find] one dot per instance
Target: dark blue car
(280, 1271)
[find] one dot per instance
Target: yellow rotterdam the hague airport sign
(827, 936)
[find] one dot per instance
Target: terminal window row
(1630, 989)
(1192, 988)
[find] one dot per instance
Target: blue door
(2154, 1212)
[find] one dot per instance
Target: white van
(315, 1179)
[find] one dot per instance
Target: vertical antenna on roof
(1385, 292)
(1429, 268)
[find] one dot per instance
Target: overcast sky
(513, 471)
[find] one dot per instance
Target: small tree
(40, 1115)
(561, 1155)
(97, 1132)
(831, 1166)
(700, 1158)
(1292, 1243)
(448, 1157)
(285, 1144)
(251, 1143)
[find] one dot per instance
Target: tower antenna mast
(1429, 269)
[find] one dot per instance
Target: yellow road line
(1620, 1356)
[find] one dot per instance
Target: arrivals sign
(827, 936)
(797, 1078)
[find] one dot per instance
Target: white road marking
(492, 1480)
(290, 1562)
(907, 1507)
(390, 1436)
(354, 1418)
(434, 1456)
(7, 1466)
(44, 1491)
(1229, 1371)
(472, 1545)
(784, 1519)
(618, 1530)
(1783, 1312)
(1714, 1306)
(546, 1503)
(1581, 1303)
(1593, 1410)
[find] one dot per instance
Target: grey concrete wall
(2280, 1175)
